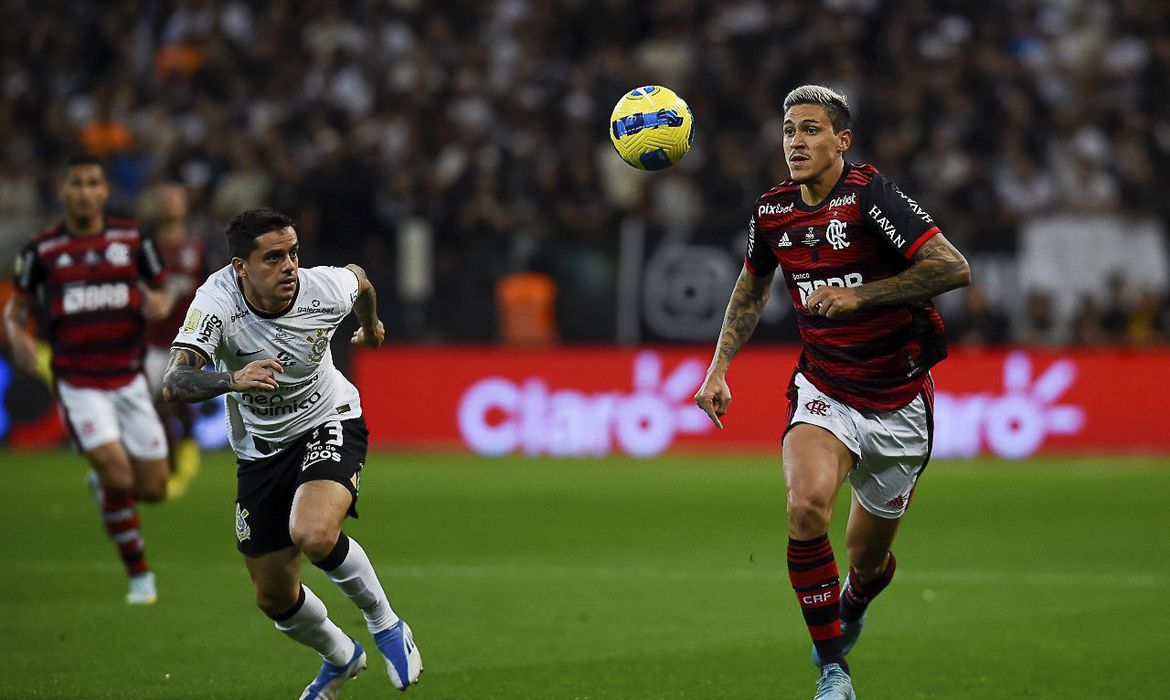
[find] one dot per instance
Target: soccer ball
(651, 128)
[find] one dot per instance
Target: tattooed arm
(185, 380)
(937, 267)
(743, 313)
(372, 332)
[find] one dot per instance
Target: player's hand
(832, 302)
(370, 340)
(156, 304)
(714, 398)
(24, 352)
(259, 375)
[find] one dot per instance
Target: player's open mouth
(798, 159)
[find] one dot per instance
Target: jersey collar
(264, 314)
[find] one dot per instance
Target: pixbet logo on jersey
(497, 416)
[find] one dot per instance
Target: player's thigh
(330, 471)
(141, 428)
(820, 442)
(815, 463)
(868, 537)
(112, 464)
(150, 478)
(264, 495)
(276, 578)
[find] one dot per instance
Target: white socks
(310, 625)
(356, 578)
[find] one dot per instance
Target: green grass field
(608, 579)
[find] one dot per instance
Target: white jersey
(223, 327)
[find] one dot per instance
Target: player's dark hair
(242, 230)
(835, 104)
(82, 159)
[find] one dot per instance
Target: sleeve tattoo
(185, 381)
(938, 267)
(743, 313)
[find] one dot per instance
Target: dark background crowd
(447, 145)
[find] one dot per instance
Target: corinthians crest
(320, 343)
(243, 530)
(835, 234)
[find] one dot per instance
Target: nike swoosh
(241, 353)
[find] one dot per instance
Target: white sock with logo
(310, 625)
(356, 578)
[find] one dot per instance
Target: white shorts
(155, 365)
(99, 416)
(892, 447)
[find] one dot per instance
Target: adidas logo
(784, 242)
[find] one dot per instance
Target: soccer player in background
(862, 262)
(94, 275)
(295, 423)
(185, 261)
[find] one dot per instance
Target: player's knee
(314, 539)
(151, 491)
(869, 563)
(274, 602)
(808, 516)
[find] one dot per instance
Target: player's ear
(844, 140)
(238, 266)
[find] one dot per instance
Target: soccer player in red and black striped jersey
(862, 262)
(93, 275)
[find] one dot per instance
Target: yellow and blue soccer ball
(652, 128)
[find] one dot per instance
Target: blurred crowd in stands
(484, 124)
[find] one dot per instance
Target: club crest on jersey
(118, 254)
(835, 234)
(320, 343)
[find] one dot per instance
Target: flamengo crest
(835, 234)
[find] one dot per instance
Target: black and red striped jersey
(186, 268)
(865, 230)
(88, 287)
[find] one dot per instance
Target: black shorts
(333, 451)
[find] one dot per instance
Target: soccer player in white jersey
(295, 423)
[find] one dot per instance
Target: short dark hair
(242, 230)
(835, 104)
(82, 158)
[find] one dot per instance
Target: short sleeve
(342, 286)
(202, 328)
(150, 264)
(759, 259)
(29, 272)
(898, 220)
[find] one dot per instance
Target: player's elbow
(962, 272)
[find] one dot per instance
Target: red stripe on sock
(822, 632)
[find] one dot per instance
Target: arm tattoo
(185, 381)
(365, 307)
(938, 267)
(743, 313)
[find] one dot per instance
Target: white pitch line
(640, 574)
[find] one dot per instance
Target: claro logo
(1012, 424)
(498, 416)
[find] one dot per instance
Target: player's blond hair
(835, 104)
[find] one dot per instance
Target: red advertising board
(603, 400)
